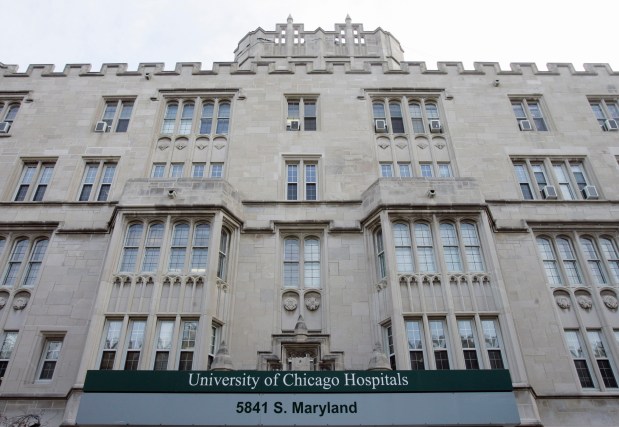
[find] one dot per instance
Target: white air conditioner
(549, 192)
(4, 127)
(590, 192)
(380, 125)
(611, 125)
(525, 125)
(436, 126)
(101, 127)
(293, 124)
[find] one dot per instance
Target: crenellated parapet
(304, 66)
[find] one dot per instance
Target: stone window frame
(31, 187)
(307, 122)
(30, 257)
(302, 184)
(101, 183)
(604, 108)
(117, 113)
(532, 110)
(49, 358)
(183, 124)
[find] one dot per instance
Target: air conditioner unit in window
(611, 125)
(4, 127)
(293, 124)
(590, 192)
(525, 125)
(101, 127)
(380, 125)
(436, 126)
(549, 192)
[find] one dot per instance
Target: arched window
(472, 248)
(152, 247)
(611, 257)
(206, 120)
(222, 265)
(311, 263)
(397, 123)
(424, 246)
(35, 262)
(403, 251)
(301, 257)
(570, 265)
(593, 261)
(549, 260)
(186, 119)
(131, 248)
(223, 118)
(169, 118)
(18, 254)
(178, 250)
(380, 254)
(416, 117)
(451, 248)
(199, 249)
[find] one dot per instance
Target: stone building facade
(310, 205)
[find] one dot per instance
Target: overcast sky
(133, 31)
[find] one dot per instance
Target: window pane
(404, 254)
(206, 121)
(451, 249)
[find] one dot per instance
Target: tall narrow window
(188, 344)
(523, 181)
(135, 342)
(111, 338)
(217, 170)
(6, 350)
(222, 265)
(611, 257)
(49, 359)
(416, 117)
(131, 248)
(292, 182)
(593, 261)
(389, 346)
(163, 345)
(206, 120)
(214, 345)
(199, 249)
(439, 343)
(186, 119)
(34, 263)
(602, 359)
(397, 123)
(311, 263)
(492, 341)
(310, 182)
(152, 248)
(549, 260)
(380, 254)
(403, 250)
(11, 113)
(540, 176)
(223, 118)
(569, 261)
(564, 181)
(291, 262)
(580, 359)
(180, 241)
(472, 247)
(169, 119)
(579, 175)
(451, 250)
(380, 118)
(309, 115)
(415, 344)
(18, 254)
(425, 250)
(469, 343)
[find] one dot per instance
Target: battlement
(310, 66)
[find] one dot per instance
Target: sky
(132, 31)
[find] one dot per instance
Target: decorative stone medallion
(2, 302)
(290, 304)
(20, 303)
(610, 302)
(563, 302)
(585, 302)
(312, 303)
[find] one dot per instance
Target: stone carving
(201, 145)
(2, 302)
(164, 145)
(440, 145)
(401, 144)
(219, 145)
(290, 304)
(383, 144)
(20, 303)
(180, 145)
(563, 302)
(312, 303)
(610, 302)
(422, 145)
(585, 302)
